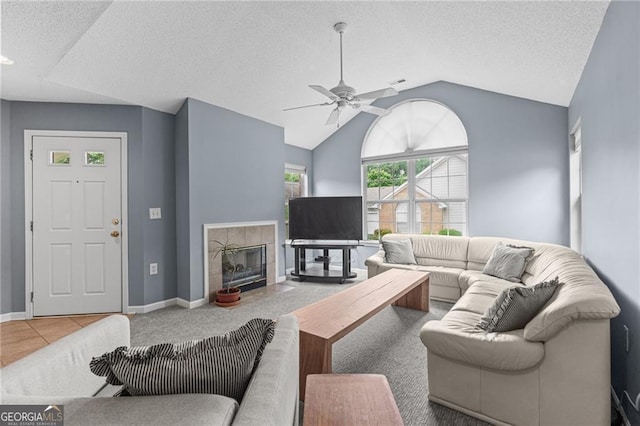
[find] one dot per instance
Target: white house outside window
(416, 156)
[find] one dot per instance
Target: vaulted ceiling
(257, 58)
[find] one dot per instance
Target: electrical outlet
(155, 213)
(626, 337)
(153, 269)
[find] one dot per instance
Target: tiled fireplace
(254, 259)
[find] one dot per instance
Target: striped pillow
(220, 365)
(517, 305)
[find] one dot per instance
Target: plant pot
(228, 295)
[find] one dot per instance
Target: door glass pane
(94, 158)
(59, 157)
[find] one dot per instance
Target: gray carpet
(388, 343)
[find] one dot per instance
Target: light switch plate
(155, 213)
(153, 269)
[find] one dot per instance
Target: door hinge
(31, 226)
(31, 297)
(31, 155)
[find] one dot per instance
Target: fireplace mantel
(241, 234)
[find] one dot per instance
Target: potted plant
(228, 295)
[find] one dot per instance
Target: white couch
(555, 371)
(59, 374)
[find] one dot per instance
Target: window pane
(438, 196)
(430, 220)
(384, 218)
(294, 186)
(94, 158)
(59, 157)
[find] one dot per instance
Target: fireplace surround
(251, 236)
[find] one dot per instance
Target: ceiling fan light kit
(343, 95)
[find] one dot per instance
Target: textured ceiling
(257, 58)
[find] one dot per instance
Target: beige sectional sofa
(555, 371)
(59, 374)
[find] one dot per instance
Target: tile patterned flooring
(19, 338)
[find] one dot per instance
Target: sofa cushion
(583, 296)
(508, 262)
(217, 365)
(516, 306)
(399, 252)
(440, 250)
(480, 249)
(442, 276)
(108, 391)
(468, 279)
(455, 337)
(187, 409)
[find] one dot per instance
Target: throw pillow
(508, 262)
(398, 251)
(220, 365)
(516, 306)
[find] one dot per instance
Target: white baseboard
(192, 304)
(281, 278)
(143, 309)
(12, 316)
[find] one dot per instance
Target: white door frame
(28, 209)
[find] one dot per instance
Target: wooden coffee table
(349, 399)
(330, 319)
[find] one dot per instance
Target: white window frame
(302, 171)
(411, 184)
(575, 186)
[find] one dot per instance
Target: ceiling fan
(342, 95)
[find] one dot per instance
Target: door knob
(115, 234)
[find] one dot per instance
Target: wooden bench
(330, 319)
(350, 399)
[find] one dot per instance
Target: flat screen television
(325, 218)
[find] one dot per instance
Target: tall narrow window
(575, 186)
(295, 185)
(415, 165)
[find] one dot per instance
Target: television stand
(302, 272)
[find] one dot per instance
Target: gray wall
(608, 101)
(85, 117)
(235, 166)
(6, 289)
(158, 152)
(518, 178)
(300, 157)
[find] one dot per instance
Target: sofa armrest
(272, 396)
(499, 351)
(376, 259)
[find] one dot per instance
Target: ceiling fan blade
(308, 106)
(324, 91)
(373, 110)
(333, 117)
(377, 94)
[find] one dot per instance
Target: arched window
(416, 155)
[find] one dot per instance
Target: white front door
(77, 246)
